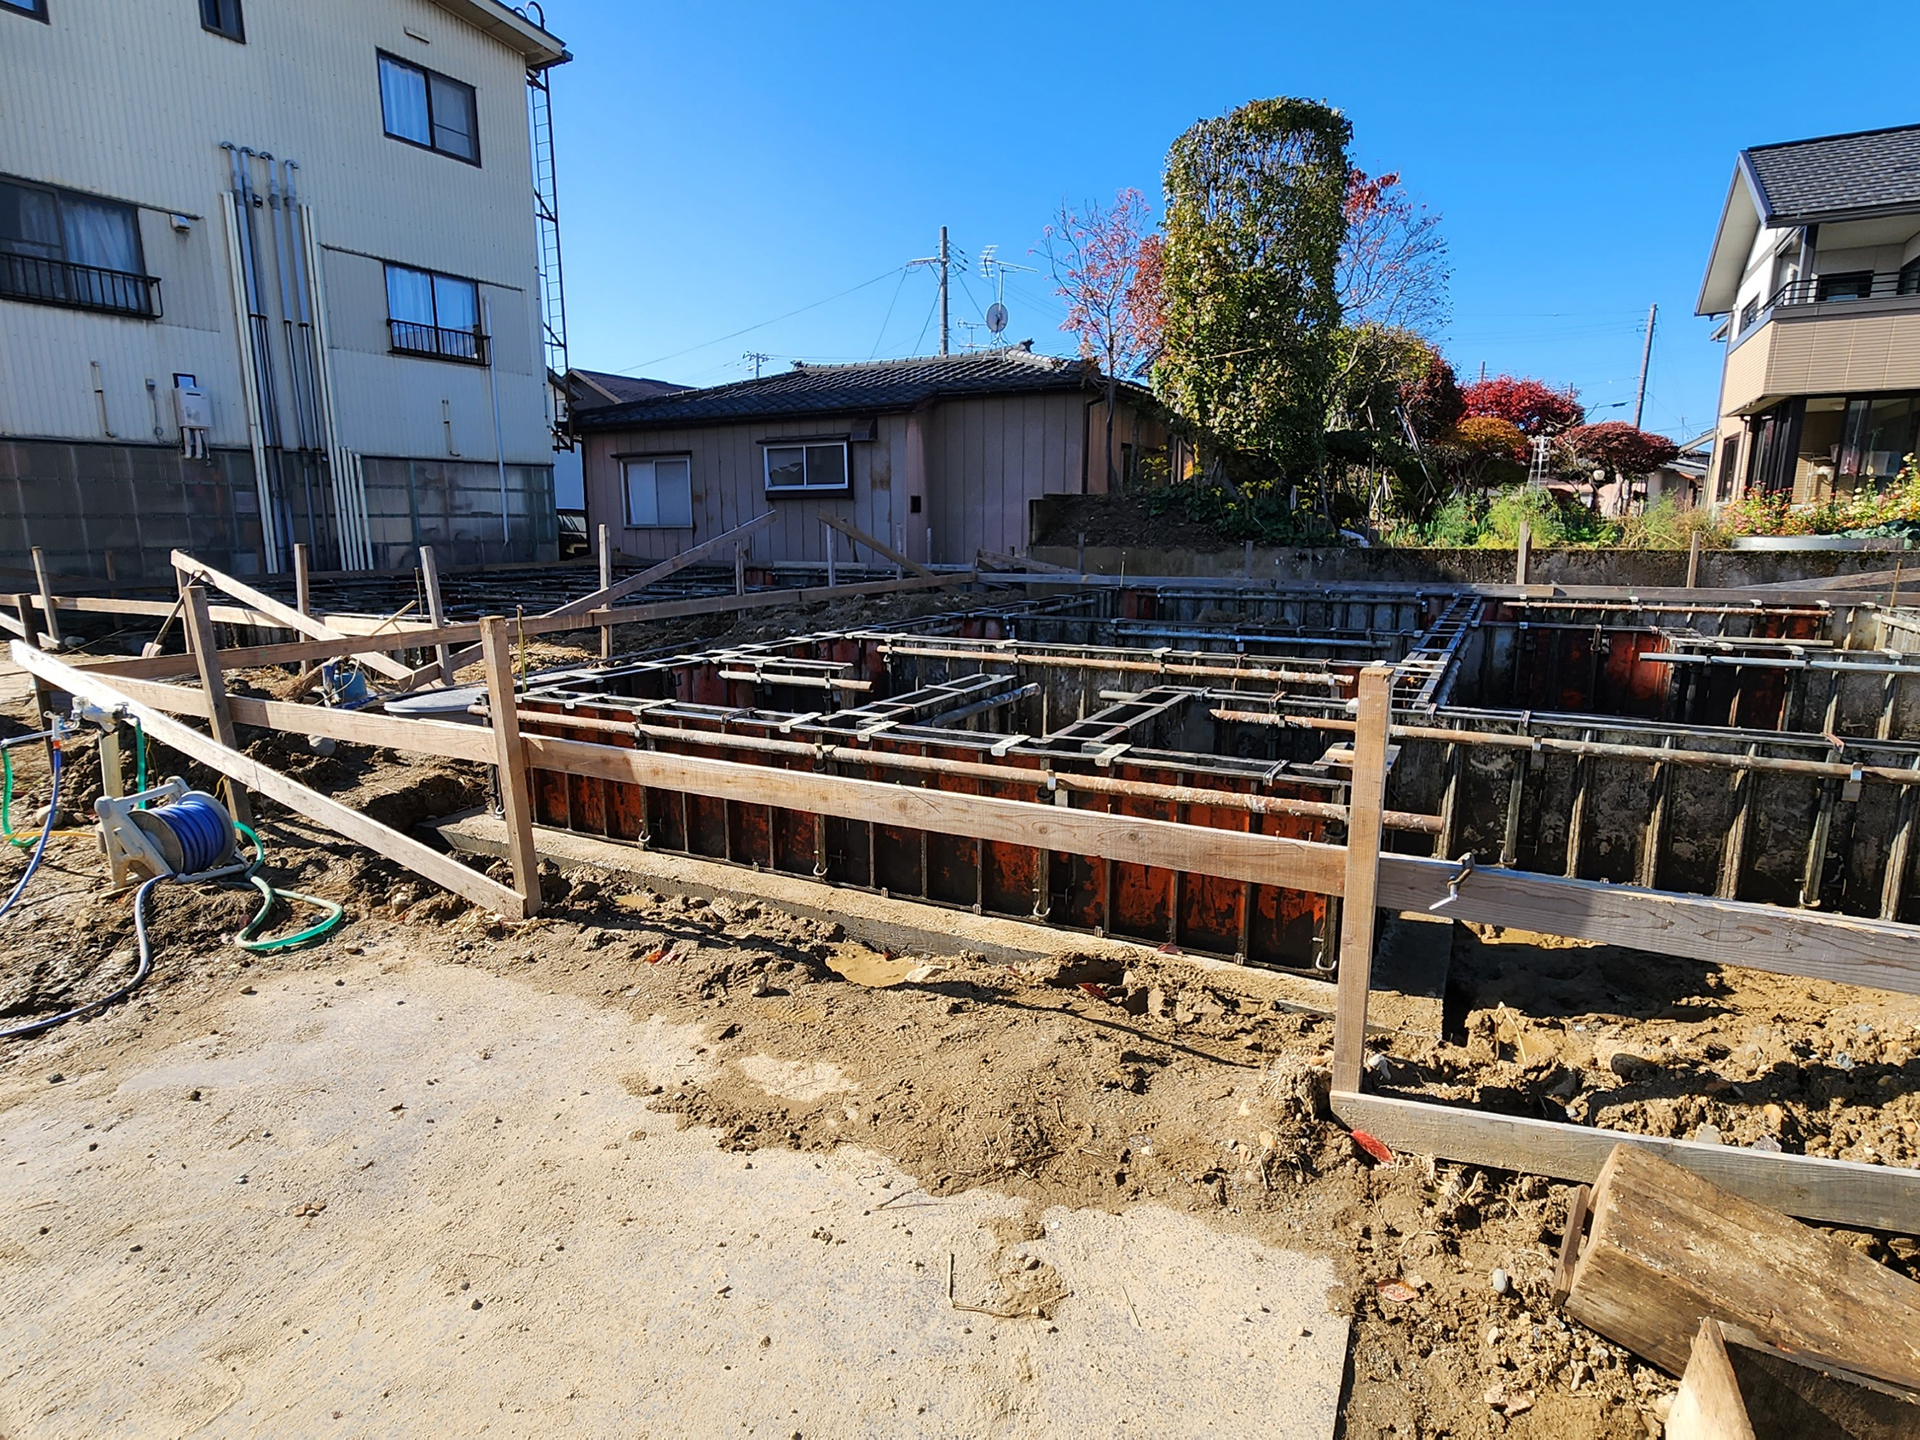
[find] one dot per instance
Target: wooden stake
(885, 552)
(43, 695)
(302, 579)
(606, 583)
(430, 581)
(206, 656)
(496, 648)
(1524, 556)
(1693, 560)
(275, 612)
(1364, 802)
(46, 595)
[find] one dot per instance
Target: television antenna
(994, 269)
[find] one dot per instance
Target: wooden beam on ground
(428, 863)
(278, 614)
(516, 800)
(1366, 797)
(994, 560)
(1833, 1192)
(1853, 951)
(1667, 1248)
(213, 689)
(886, 552)
(436, 612)
(1231, 854)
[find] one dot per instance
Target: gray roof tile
(850, 389)
(1871, 170)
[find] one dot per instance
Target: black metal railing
(411, 338)
(82, 287)
(1850, 285)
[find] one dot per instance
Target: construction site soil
(1066, 1082)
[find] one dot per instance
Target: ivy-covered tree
(1533, 405)
(1255, 219)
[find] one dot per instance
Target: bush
(1473, 521)
(1892, 511)
(1261, 516)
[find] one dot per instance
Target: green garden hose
(245, 939)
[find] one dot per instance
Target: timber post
(206, 658)
(496, 648)
(1365, 799)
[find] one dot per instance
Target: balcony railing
(82, 287)
(1851, 285)
(410, 338)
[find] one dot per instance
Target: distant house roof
(887, 385)
(594, 389)
(1808, 182)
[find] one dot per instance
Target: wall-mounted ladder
(546, 223)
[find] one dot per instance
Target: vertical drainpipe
(499, 452)
(237, 274)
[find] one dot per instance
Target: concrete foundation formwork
(1746, 750)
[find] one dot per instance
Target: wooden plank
(1880, 954)
(510, 755)
(606, 582)
(1366, 796)
(213, 689)
(1836, 1192)
(1668, 1247)
(436, 612)
(423, 860)
(302, 579)
(46, 595)
(885, 552)
(1709, 1405)
(283, 615)
(1232, 854)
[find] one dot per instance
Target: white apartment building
(274, 272)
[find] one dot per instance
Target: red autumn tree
(1393, 263)
(1619, 449)
(1107, 263)
(1533, 405)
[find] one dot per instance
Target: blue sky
(721, 168)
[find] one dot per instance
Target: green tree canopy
(1255, 221)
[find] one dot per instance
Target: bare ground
(1044, 1090)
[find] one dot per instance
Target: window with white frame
(659, 492)
(812, 465)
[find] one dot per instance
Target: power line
(761, 325)
(889, 315)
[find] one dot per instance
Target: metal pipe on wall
(499, 452)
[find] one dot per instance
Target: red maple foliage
(1432, 401)
(1617, 446)
(1533, 405)
(1393, 262)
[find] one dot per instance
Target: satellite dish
(996, 317)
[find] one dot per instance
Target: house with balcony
(276, 274)
(1815, 268)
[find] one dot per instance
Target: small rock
(1493, 1335)
(1708, 1134)
(476, 1305)
(1631, 1067)
(56, 1077)
(1843, 1061)
(1767, 1144)
(1502, 1282)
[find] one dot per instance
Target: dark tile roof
(852, 389)
(1873, 170)
(623, 388)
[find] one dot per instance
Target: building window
(816, 465)
(437, 315)
(1851, 285)
(222, 17)
(1748, 314)
(426, 108)
(659, 492)
(36, 8)
(59, 248)
(1910, 278)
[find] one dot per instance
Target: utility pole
(759, 358)
(1646, 357)
(942, 260)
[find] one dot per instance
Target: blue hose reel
(167, 830)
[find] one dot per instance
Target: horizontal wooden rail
(1231, 854)
(1836, 1192)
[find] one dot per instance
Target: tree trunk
(1115, 484)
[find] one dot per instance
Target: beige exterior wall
(131, 101)
(975, 463)
(1872, 346)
